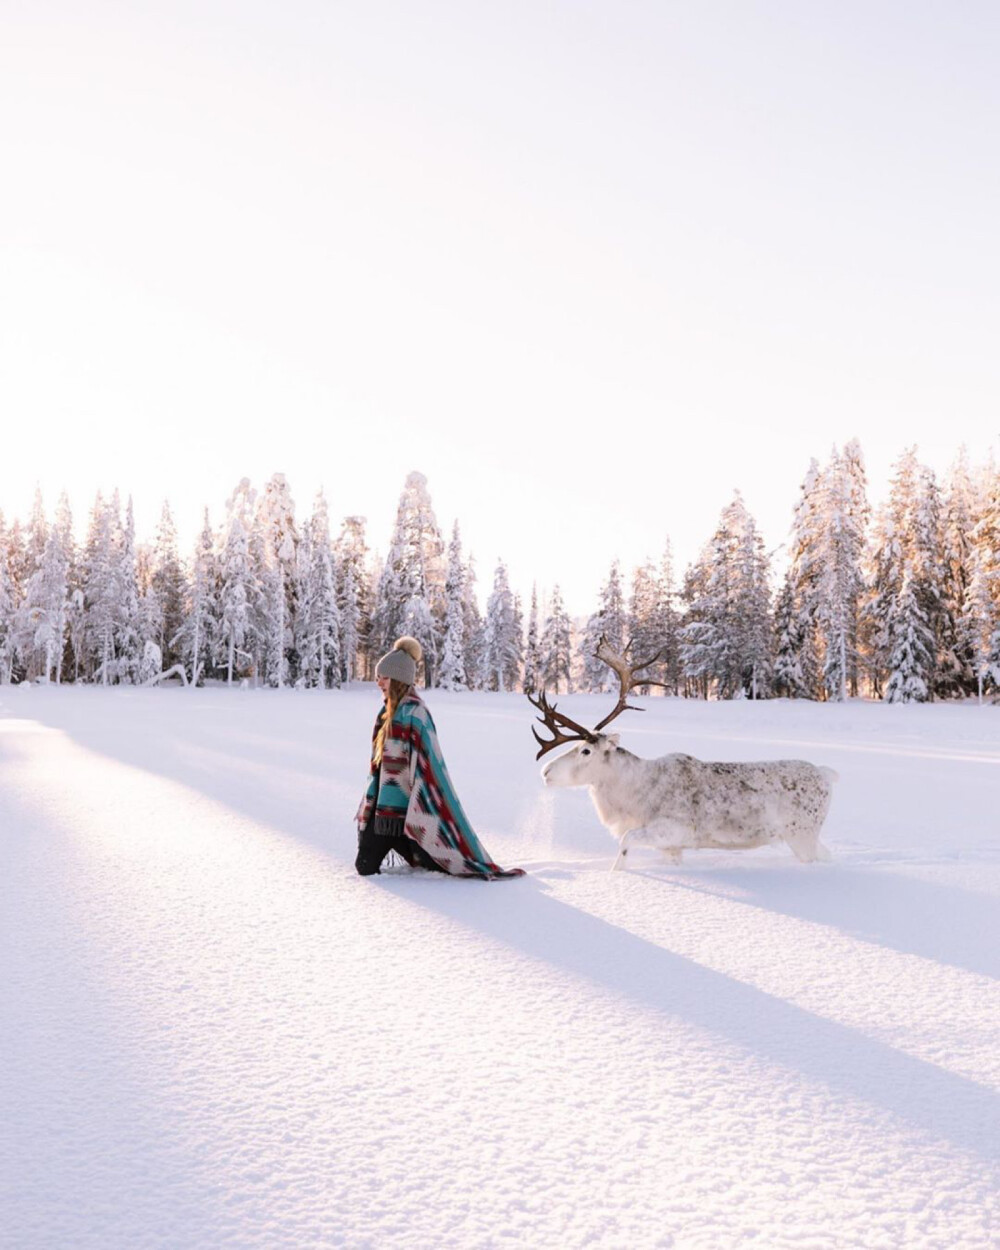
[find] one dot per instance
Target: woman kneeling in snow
(410, 805)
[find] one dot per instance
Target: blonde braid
(398, 690)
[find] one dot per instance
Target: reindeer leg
(622, 850)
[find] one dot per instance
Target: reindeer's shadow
(834, 1055)
(904, 913)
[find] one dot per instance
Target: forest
(901, 603)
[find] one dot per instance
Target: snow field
(217, 1035)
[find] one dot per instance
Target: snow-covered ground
(215, 1034)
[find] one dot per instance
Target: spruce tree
(195, 641)
(805, 573)
(7, 608)
(236, 589)
(905, 585)
(101, 597)
(275, 572)
(167, 582)
(129, 643)
(840, 580)
(911, 654)
(452, 674)
(555, 646)
(643, 617)
(532, 652)
(503, 644)
(787, 679)
(726, 640)
(610, 622)
(474, 631)
(411, 587)
(319, 615)
(353, 600)
(666, 624)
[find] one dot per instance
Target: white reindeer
(676, 802)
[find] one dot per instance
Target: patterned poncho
(413, 784)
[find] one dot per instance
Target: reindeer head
(582, 765)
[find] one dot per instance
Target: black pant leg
(372, 849)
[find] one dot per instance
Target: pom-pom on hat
(401, 662)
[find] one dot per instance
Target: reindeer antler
(627, 678)
(555, 721)
(552, 720)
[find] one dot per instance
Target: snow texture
(217, 1035)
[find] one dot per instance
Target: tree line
(903, 605)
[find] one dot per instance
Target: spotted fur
(678, 803)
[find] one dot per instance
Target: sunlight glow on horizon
(588, 271)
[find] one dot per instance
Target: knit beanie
(401, 662)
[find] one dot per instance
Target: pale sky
(588, 266)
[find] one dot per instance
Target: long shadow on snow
(843, 1059)
(258, 770)
(940, 922)
(84, 1157)
(262, 769)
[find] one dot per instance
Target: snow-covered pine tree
(37, 536)
(65, 583)
(986, 536)
(319, 616)
(76, 614)
(593, 672)
(643, 626)
(958, 655)
(726, 642)
(196, 639)
(518, 632)
(46, 603)
(929, 574)
(236, 589)
(503, 650)
(787, 680)
(532, 652)
(753, 612)
(30, 618)
(694, 673)
(411, 587)
(556, 646)
(7, 608)
(101, 592)
(911, 655)
(666, 624)
(474, 630)
(840, 579)
(16, 567)
(274, 523)
(708, 636)
(150, 615)
(129, 643)
(804, 575)
(609, 621)
(168, 584)
(977, 622)
(353, 600)
(452, 669)
(905, 585)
